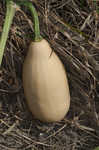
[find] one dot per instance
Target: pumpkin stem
(8, 21)
(35, 18)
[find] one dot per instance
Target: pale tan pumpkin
(45, 83)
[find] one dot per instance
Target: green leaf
(97, 148)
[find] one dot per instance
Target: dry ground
(72, 29)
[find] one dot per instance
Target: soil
(72, 29)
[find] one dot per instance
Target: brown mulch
(72, 29)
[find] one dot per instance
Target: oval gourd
(45, 83)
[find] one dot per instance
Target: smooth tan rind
(45, 83)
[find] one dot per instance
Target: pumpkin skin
(45, 83)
